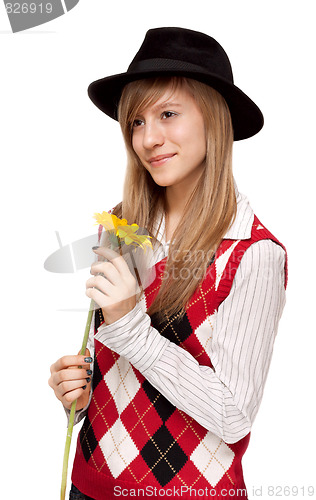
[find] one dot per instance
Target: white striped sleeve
(224, 400)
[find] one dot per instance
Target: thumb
(87, 352)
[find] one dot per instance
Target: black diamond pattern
(163, 455)
(88, 440)
(174, 329)
(162, 406)
(98, 318)
(97, 375)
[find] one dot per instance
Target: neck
(177, 196)
(175, 202)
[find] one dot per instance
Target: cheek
(138, 149)
(195, 142)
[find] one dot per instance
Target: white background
(62, 160)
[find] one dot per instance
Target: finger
(102, 284)
(109, 271)
(70, 386)
(70, 397)
(105, 252)
(86, 353)
(67, 361)
(100, 298)
(69, 374)
(116, 259)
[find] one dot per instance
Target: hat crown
(180, 52)
(184, 46)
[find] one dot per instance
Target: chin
(163, 181)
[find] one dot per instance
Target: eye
(167, 114)
(137, 122)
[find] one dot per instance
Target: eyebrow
(167, 104)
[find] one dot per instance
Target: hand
(113, 286)
(69, 380)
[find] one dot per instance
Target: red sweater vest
(157, 449)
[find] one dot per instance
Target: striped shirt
(223, 399)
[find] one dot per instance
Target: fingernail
(88, 360)
(89, 372)
(84, 387)
(88, 380)
(95, 247)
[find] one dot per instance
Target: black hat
(182, 52)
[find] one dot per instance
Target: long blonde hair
(211, 207)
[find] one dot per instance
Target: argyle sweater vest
(133, 441)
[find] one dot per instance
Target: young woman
(178, 375)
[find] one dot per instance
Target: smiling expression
(169, 139)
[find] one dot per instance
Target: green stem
(73, 410)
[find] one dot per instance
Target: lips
(156, 161)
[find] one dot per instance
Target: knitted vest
(133, 441)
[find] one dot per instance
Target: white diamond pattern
(122, 382)
(118, 448)
(204, 332)
(213, 458)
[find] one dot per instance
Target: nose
(153, 135)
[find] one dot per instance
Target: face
(169, 139)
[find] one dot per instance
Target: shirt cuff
(79, 414)
(133, 337)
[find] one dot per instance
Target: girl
(178, 375)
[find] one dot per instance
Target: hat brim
(247, 118)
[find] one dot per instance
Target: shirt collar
(240, 229)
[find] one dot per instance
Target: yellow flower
(129, 236)
(109, 221)
(125, 232)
